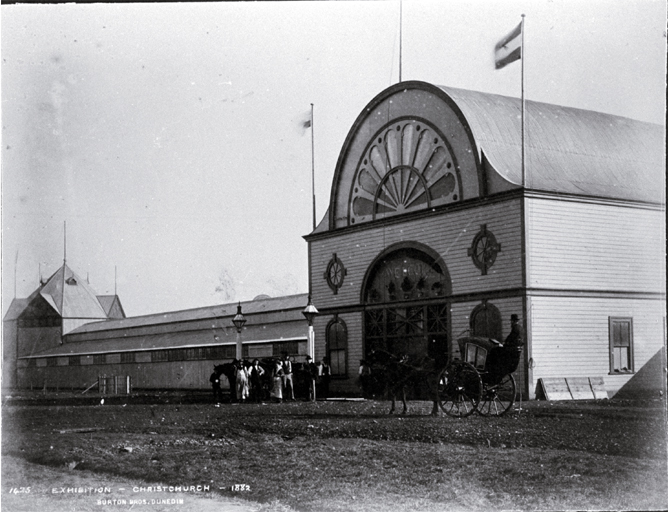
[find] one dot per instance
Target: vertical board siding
(163, 375)
(570, 337)
(449, 234)
(595, 247)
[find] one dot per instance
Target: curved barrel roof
(568, 150)
(475, 142)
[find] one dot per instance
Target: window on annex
(158, 356)
(127, 357)
(620, 331)
(99, 359)
(291, 347)
(337, 347)
(486, 321)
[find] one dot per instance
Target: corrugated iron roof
(568, 150)
(16, 307)
(282, 331)
(223, 310)
(71, 296)
(107, 302)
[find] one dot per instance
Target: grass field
(336, 456)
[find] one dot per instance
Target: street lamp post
(239, 322)
(310, 312)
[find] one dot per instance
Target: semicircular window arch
(406, 274)
(407, 166)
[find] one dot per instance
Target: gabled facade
(433, 231)
(38, 323)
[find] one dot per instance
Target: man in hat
(505, 359)
(514, 339)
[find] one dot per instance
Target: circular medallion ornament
(484, 249)
(335, 273)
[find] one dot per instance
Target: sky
(169, 138)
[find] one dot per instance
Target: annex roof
(261, 333)
(208, 312)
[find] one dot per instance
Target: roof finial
(64, 242)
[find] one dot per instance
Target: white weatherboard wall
(588, 262)
(588, 246)
(570, 336)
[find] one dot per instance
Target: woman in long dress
(277, 382)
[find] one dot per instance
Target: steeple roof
(71, 296)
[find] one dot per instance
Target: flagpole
(313, 165)
(400, 34)
(524, 183)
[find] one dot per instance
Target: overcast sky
(168, 136)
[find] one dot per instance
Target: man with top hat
(505, 359)
(514, 339)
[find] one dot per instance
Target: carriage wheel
(498, 399)
(459, 389)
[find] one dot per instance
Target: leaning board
(598, 388)
(555, 389)
(580, 388)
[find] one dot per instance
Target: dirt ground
(330, 455)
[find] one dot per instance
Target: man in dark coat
(514, 339)
(215, 386)
(504, 360)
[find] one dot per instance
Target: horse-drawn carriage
(480, 379)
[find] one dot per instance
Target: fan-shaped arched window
(486, 321)
(407, 166)
(337, 346)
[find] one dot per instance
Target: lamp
(239, 322)
(310, 312)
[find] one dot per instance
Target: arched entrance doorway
(406, 294)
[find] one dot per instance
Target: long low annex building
(59, 338)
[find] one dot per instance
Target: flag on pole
(304, 122)
(509, 49)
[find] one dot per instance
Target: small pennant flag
(304, 122)
(509, 49)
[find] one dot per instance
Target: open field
(344, 455)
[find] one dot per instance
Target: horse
(396, 372)
(230, 371)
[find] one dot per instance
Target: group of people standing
(253, 381)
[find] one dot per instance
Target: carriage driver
(287, 377)
(514, 339)
(501, 359)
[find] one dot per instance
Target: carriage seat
(475, 349)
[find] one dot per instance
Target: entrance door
(407, 307)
